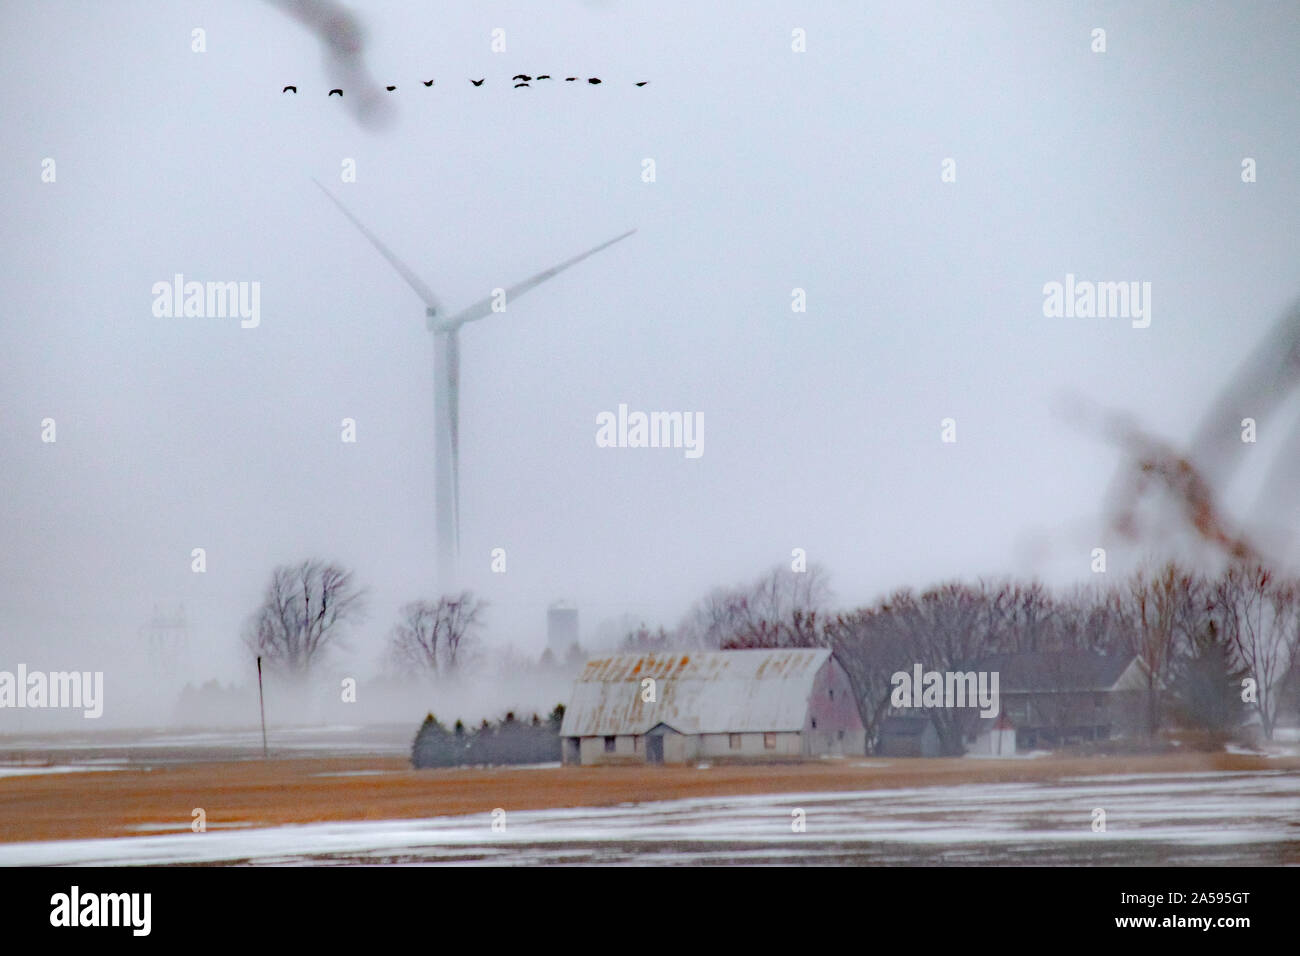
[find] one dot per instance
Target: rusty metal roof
(696, 692)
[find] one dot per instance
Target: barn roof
(1058, 671)
(696, 692)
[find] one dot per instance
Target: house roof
(696, 692)
(1047, 671)
(904, 725)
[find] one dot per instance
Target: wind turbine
(446, 383)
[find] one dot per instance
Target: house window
(814, 726)
(769, 741)
(734, 741)
(832, 693)
(609, 744)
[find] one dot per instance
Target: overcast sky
(775, 169)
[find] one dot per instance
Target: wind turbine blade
(414, 281)
(483, 308)
(1260, 383)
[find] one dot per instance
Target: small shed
(996, 738)
(748, 705)
(908, 736)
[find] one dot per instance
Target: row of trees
(307, 608)
(1207, 644)
(508, 741)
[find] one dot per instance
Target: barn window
(609, 744)
(734, 741)
(769, 741)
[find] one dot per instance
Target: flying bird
(522, 78)
(342, 35)
(525, 85)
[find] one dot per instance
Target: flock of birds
(519, 80)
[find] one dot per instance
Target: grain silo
(561, 627)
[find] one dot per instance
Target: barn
(752, 705)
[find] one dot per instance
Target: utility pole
(261, 703)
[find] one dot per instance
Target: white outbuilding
(751, 705)
(993, 738)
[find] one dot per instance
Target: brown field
(291, 790)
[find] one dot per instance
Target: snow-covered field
(11, 771)
(1208, 818)
(155, 747)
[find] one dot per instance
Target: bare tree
(714, 618)
(872, 647)
(433, 636)
(303, 613)
(778, 610)
(1260, 616)
(946, 628)
(642, 640)
(1020, 617)
(1094, 619)
(415, 639)
(613, 631)
(952, 636)
(1166, 608)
